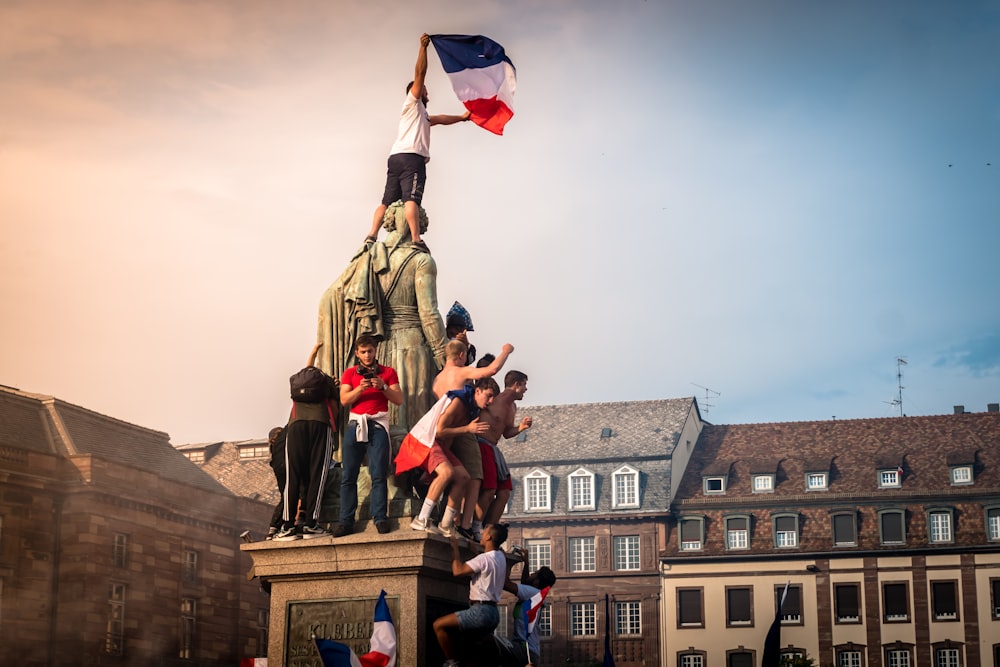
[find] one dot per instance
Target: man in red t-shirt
(367, 390)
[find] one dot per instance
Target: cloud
(980, 356)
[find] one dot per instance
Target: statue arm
(425, 285)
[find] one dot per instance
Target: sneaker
(343, 529)
(382, 527)
(310, 532)
(287, 535)
(425, 525)
(450, 663)
(447, 531)
(271, 532)
(467, 534)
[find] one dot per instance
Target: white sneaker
(424, 525)
(447, 531)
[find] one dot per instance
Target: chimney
(959, 409)
(993, 407)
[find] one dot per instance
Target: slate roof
(852, 451)
(565, 438)
(249, 478)
(45, 424)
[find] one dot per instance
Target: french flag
(416, 445)
(482, 75)
(526, 611)
(383, 644)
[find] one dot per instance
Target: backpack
(310, 385)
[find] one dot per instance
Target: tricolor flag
(771, 656)
(482, 75)
(253, 662)
(417, 444)
(383, 644)
(526, 611)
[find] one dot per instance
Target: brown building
(592, 492)
(115, 549)
(886, 530)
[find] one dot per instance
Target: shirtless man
(455, 375)
(500, 416)
(460, 416)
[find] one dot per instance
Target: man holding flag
(408, 158)
(530, 594)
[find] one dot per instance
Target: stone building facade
(886, 531)
(115, 549)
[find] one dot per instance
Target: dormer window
(625, 487)
(890, 478)
(581, 490)
(715, 485)
(763, 483)
(961, 475)
(816, 481)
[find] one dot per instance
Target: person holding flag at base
(531, 593)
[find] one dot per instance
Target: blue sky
(773, 200)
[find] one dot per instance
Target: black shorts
(405, 178)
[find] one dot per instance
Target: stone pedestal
(328, 586)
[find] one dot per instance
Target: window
(190, 574)
(816, 481)
(188, 610)
(536, 492)
(961, 475)
(543, 622)
(502, 630)
(939, 522)
(993, 524)
(114, 640)
(786, 531)
(119, 550)
(581, 490)
(715, 485)
(583, 619)
(849, 658)
(628, 618)
(846, 598)
(625, 485)
(691, 531)
(539, 553)
(581, 554)
(891, 527)
(738, 532)
(890, 479)
(739, 606)
(258, 452)
(895, 657)
(896, 602)
(739, 659)
(791, 610)
(763, 483)
(196, 456)
(946, 657)
(626, 552)
(944, 600)
(689, 608)
(845, 532)
(790, 655)
(263, 617)
(690, 660)
(995, 598)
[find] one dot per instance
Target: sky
(760, 204)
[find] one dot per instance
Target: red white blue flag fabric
(253, 662)
(416, 446)
(526, 611)
(482, 75)
(383, 644)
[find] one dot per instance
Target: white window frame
(897, 657)
(189, 574)
(889, 478)
(543, 622)
(737, 539)
(691, 660)
(781, 537)
(581, 490)
(849, 658)
(816, 481)
(537, 491)
(502, 629)
(627, 555)
(625, 487)
(119, 550)
(254, 452)
(714, 481)
(583, 619)
(961, 475)
(539, 552)
(992, 523)
(691, 545)
(628, 618)
(763, 484)
(940, 526)
(114, 641)
(197, 456)
(582, 554)
(947, 657)
(189, 626)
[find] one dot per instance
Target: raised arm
(494, 368)
(312, 355)
(420, 70)
(448, 119)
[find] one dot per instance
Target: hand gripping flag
(383, 644)
(482, 76)
(417, 444)
(526, 611)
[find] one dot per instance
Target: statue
(389, 290)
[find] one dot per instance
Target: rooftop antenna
(898, 401)
(709, 394)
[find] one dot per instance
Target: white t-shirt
(414, 134)
(490, 568)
